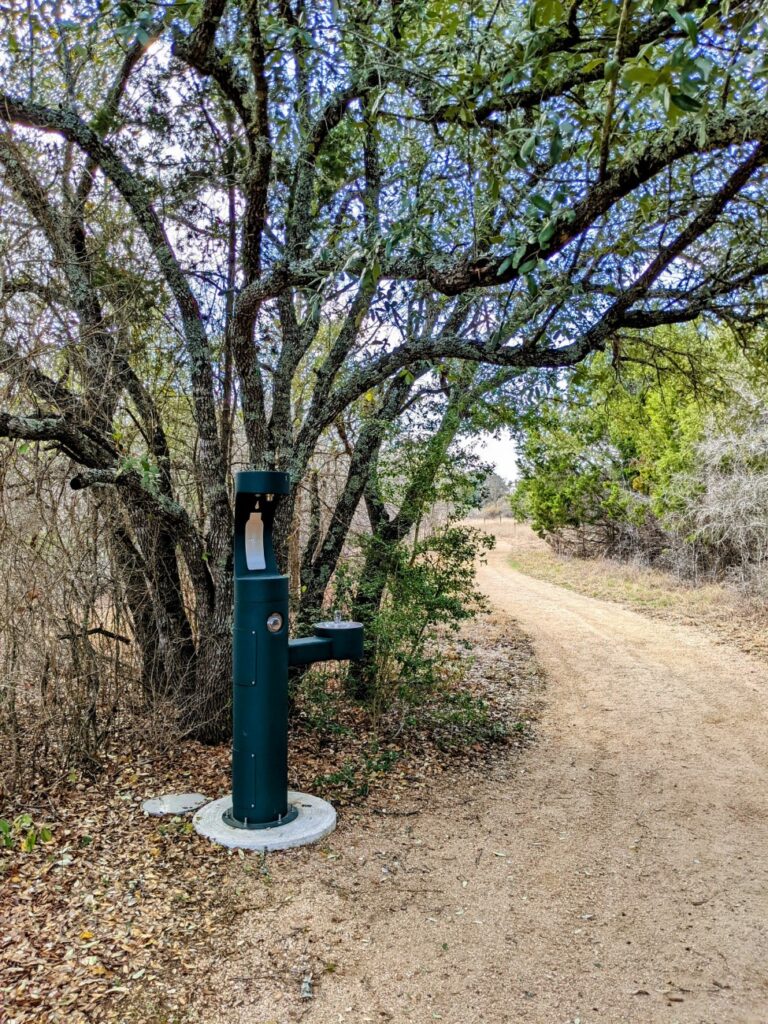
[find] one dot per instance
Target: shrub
(430, 591)
(725, 512)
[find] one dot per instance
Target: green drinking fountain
(261, 813)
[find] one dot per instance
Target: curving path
(616, 872)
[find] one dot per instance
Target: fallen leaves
(115, 903)
(119, 916)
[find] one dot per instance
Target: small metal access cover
(174, 803)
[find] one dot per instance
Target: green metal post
(259, 660)
(261, 653)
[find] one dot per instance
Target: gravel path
(617, 871)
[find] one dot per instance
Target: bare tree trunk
(294, 552)
(193, 673)
(207, 712)
(321, 560)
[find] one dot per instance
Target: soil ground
(617, 871)
(114, 916)
(732, 613)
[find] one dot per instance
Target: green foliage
(23, 834)
(354, 778)
(422, 467)
(316, 707)
(146, 469)
(430, 591)
(612, 444)
(665, 459)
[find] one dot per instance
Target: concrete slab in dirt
(316, 819)
(174, 803)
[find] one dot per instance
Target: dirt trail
(616, 872)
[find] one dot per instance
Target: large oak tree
(232, 226)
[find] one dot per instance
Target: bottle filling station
(261, 813)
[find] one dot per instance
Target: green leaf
(547, 234)
(686, 103)
(692, 28)
(705, 66)
(505, 264)
(591, 65)
(528, 147)
(5, 827)
(541, 203)
(556, 146)
(647, 206)
(676, 16)
(45, 835)
(519, 254)
(641, 74)
(547, 11)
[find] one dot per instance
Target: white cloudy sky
(500, 452)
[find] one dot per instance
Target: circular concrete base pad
(174, 803)
(316, 819)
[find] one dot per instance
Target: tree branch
(257, 178)
(556, 85)
(105, 118)
(58, 429)
(327, 554)
(69, 125)
(299, 219)
(199, 51)
(520, 356)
